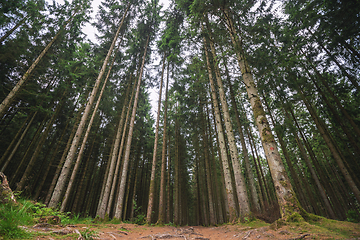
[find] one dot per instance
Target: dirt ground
(341, 230)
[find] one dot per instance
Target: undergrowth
(25, 213)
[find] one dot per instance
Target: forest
(257, 110)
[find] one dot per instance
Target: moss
(267, 135)
(278, 224)
(258, 109)
(309, 217)
(295, 217)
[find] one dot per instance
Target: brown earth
(327, 229)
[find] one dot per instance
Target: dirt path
(342, 230)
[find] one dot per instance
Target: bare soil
(327, 229)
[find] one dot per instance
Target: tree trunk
(59, 188)
(82, 148)
(249, 172)
(207, 167)
(118, 162)
(7, 34)
(120, 200)
(332, 148)
(284, 192)
(224, 157)
(59, 167)
(239, 177)
(152, 178)
(17, 143)
(10, 97)
(161, 218)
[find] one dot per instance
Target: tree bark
(10, 97)
(59, 188)
(161, 218)
(285, 195)
(332, 148)
(239, 177)
(152, 177)
(7, 34)
(224, 157)
(120, 200)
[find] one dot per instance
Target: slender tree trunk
(168, 181)
(176, 173)
(10, 97)
(224, 157)
(239, 177)
(259, 173)
(7, 34)
(310, 167)
(161, 218)
(284, 192)
(59, 188)
(44, 176)
(152, 178)
(250, 174)
(207, 167)
(59, 167)
(40, 144)
(13, 142)
(118, 162)
(332, 148)
(82, 148)
(221, 194)
(17, 143)
(120, 200)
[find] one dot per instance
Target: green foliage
(13, 216)
(353, 216)
(88, 234)
(140, 217)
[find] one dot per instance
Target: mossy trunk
(285, 195)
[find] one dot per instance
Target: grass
(11, 217)
(27, 213)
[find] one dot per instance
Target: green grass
(11, 217)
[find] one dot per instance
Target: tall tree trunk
(152, 178)
(10, 97)
(62, 159)
(239, 177)
(82, 148)
(177, 172)
(17, 143)
(310, 167)
(44, 176)
(207, 166)
(161, 217)
(118, 162)
(284, 192)
(59, 188)
(250, 174)
(224, 157)
(221, 194)
(120, 200)
(332, 148)
(39, 146)
(7, 34)
(168, 196)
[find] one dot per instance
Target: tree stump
(6, 194)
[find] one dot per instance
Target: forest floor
(323, 229)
